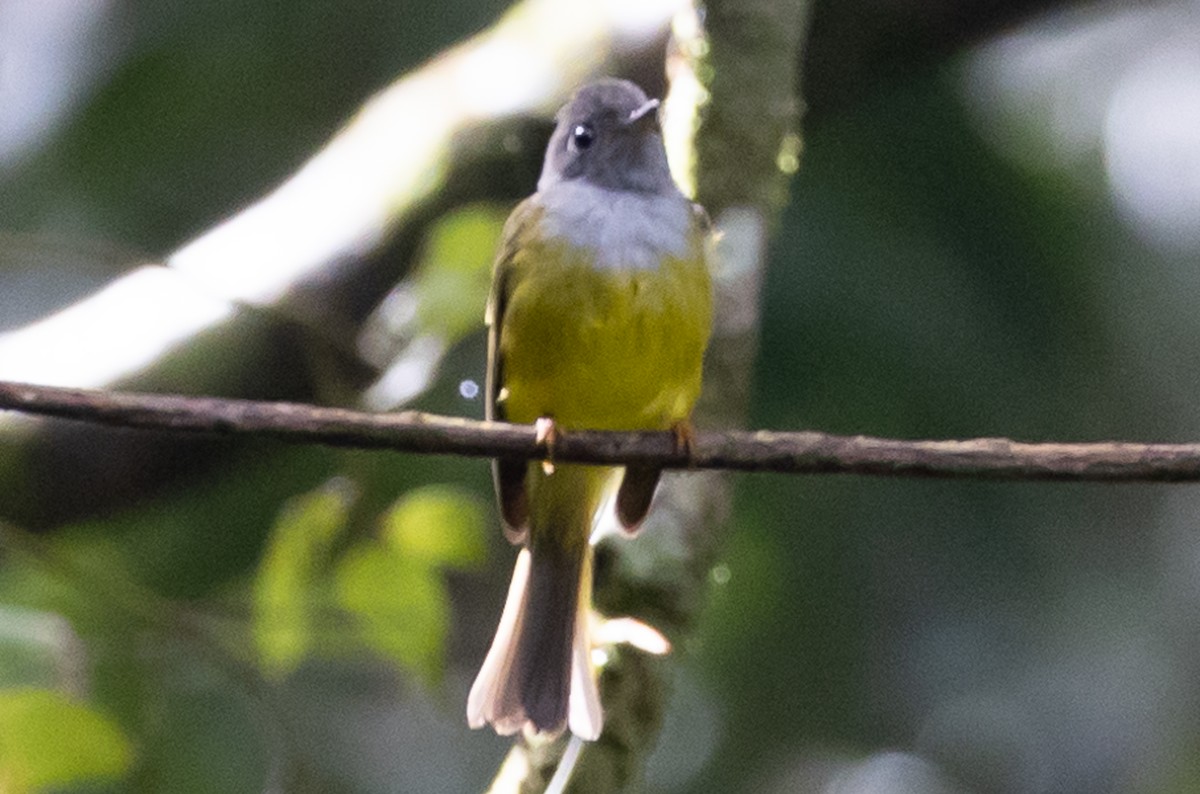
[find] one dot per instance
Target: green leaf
(48, 740)
(291, 574)
(453, 275)
(393, 587)
(400, 605)
(437, 526)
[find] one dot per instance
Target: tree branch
(805, 452)
(270, 303)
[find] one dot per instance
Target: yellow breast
(600, 345)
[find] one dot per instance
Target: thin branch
(804, 452)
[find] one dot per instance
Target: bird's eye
(582, 136)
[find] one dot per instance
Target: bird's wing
(508, 473)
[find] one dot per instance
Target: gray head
(608, 135)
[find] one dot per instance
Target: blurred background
(995, 230)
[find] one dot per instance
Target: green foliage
(437, 526)
(453, 273)
(292, 570)
(390, 588)
(394, 587)
(399, 606)
(48, 740)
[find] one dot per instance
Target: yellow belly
(604, 349)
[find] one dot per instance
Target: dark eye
(582, 136)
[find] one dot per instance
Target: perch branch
(805, 452)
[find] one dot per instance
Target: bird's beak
(644, 115)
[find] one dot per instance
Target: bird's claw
(685, 438)
(546, 435)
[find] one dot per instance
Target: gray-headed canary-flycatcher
(599, 315)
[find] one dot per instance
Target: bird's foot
(685, 438)
(547, 436)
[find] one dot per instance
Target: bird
(599, 315)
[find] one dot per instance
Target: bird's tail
(539, 670)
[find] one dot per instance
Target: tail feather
(492, 699)
(539, 670)
(538, 673)
(542, 670)
(585, 717)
